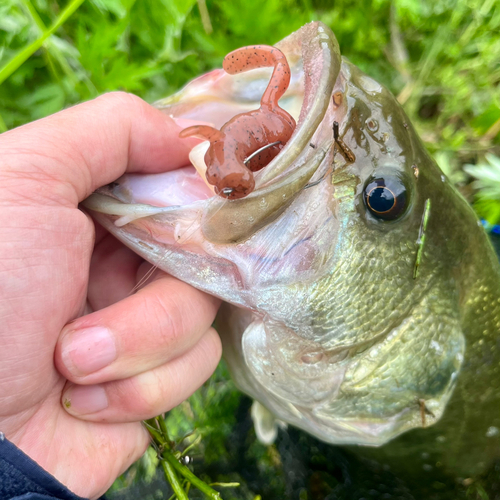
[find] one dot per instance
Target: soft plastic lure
(230, 158)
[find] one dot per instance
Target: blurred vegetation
(440, 57)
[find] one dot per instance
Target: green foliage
(487, 183)
(199, 428)
(210, 413)
(488, 176)
(441, 57)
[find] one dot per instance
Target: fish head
(343, 285)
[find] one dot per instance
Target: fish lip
(227, 222)
(359, 432)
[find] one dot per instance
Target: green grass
(441, 57)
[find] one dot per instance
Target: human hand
(135, 356)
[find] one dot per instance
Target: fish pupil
(381, 199)
(385, 198)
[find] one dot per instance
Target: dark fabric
(21, 478)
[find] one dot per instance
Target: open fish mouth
(308, 328)
(315, 64)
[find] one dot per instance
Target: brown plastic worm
(248, 132)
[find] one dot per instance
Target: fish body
(352, 315)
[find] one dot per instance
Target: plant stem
(172, 478)
(24, 54)
(205, 17)
(195, 481)
(163, 429)
(158, 431)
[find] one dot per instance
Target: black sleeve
(21, 478)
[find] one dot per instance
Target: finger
(71, 153)
(150, 393)
(100, 231)
(113, 272)
(157, 324)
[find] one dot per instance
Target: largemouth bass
(362, 296)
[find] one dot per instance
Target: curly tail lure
(249, 141)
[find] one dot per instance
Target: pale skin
(82, 360)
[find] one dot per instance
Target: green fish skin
(455, 298)
(362, 319)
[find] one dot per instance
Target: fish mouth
(329, 422)
(316, 63)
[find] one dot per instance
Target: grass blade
(3, 126)
(28, 51)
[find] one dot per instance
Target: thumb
(71, 153)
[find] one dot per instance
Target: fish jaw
(317, 330)
(365, 394)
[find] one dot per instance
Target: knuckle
(145, 395)
(165, 312)
(214, 346)
(120, 99)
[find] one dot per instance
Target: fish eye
(385, 197)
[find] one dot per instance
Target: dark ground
(299, 467)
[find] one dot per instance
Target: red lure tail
(261, 56)
(204, 131)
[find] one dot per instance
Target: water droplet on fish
(311, 358)
(436, 346)
(372, 124)
(492, 432)
(370, 85)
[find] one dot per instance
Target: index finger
(89, 145)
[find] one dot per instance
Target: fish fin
(265, 423)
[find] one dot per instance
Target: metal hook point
(263, 148)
